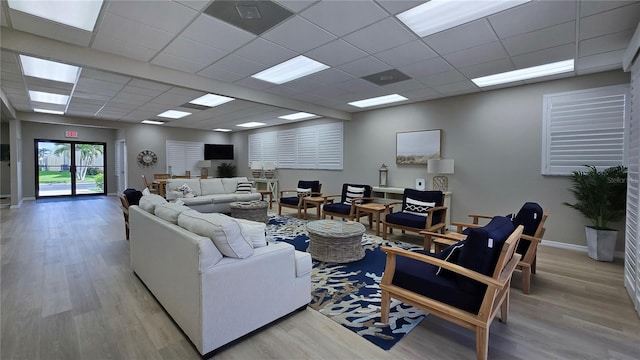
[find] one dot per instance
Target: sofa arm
(172, 195)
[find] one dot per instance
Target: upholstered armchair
(466, 284)
(295, 198)
(421, 211)
(351, 195)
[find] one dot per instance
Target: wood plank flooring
(67, 292)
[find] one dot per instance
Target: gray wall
(495, 138)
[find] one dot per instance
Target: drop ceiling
(144, 57)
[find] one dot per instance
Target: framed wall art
(416, 147)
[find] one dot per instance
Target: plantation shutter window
(585, 127)
(183, 156)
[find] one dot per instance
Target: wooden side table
(372, 209)
(267, 192)
(317, 200)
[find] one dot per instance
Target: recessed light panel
(222, 130)
(174, 114)
(292, 69)
(45, 111)
(78, 14)
(48, 98)
(50, 70)
(439, 15)
(211, 100)
(152, 122)
(298, 116)
(251, 124)
(526, 73)
(381, 100)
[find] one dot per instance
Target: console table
(270, 184)
(389, 194)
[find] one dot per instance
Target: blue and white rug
(349, 294)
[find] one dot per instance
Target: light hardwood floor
(67, 292)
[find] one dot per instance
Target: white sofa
(215, 299)
(212, 195)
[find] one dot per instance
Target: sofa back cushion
(483, 245)
(194, 184)
(212, 186)
(170, 211)
(149, 202)
(225, 232)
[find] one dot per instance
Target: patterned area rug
(349, 294)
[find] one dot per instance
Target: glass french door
(69, 168)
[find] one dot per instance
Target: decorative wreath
(147, 158)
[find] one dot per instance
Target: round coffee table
(250, 210)
(335, 241)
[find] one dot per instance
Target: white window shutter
(585, 127)
(307, 144)
(183, 156)
(330, 146)
(270, 146)
(287, 149)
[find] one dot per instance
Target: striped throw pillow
(243, 188)
(417, 207)
(352, 193)
(303, 192)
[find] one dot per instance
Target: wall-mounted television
(218, 151)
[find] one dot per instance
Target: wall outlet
(420, 184)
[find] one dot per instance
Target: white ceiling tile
(302, 84)
(114, 28)
(50, 29)
(488, 68)
(327, 92)
(189, 93)
(604, 61)
(131, 98)
(239, 65)
(588, 8)
(389, 29)
(193, 51)
(3, 17)
(330, 76)
(153, 108)
(216, 73)
(89, 73)
(282, 90)
(426, 68)
(532, 16)
(336, 53)
(540, 39)
(359, 85)
(123, 48)
(254, 83)
(148, 85)
(227, 37)
(100, 87)
(296, 5)
(610, 22)
(421, 94)
(461, 37)
(11, 76)
(460, 87)
(365, 66)
(398, 6)
(264, 52)
(612, 42)
(545, 56)
(194, 4)
(477, 55)
(298, 34)
(177, 63)
(446, 77)
(401, 86)
(406, 54)
(168, 16)
(343, 17)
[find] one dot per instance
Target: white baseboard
(581, 248)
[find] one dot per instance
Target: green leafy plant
(600, 195)
(226, 170)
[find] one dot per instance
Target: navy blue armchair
(466, 284)
(421, 211)
(295, 198)
(351, 195)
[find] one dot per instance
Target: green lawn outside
(58, 177)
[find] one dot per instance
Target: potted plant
(600, 197)
(226, 170)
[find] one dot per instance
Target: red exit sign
(71, 134)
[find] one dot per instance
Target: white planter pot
(601, 243)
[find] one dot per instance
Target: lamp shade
(256, 165)
(204, 163)
(269, 165)
(440, 166)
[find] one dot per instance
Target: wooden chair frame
(496, 297)
(125, 212)
(429, 226)
(528, 262)
(300, 200)
(153, 188)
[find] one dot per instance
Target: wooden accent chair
(421, 211)
(466, 285)
(531, 216)
(305, 188)
(125, 212)
(351, 195)
(153, 188)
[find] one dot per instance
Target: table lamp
(204, 166)
(269, 169)
(440, 166)
(256, 169)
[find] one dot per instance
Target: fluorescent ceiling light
(79, 14)
(211, 100)
(297, 116)
(251, 124)
(49, 70)
(387, 99)
(438, 15)
(289, 70)
(48, 98)
(222, 130)
(526, 73)
(174, 114)
(45, 111)
(152, 122)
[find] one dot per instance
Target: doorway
(69, 168)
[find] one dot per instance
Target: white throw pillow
(148, 203)
(225, 232)
(146, 191)
(417, 207)
(352, 193)
(303, 192)
(255, 231)
(170, 211)
(186, 191)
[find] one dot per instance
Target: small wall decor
(416, 147)
(147, 158)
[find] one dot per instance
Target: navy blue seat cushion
(337, 208)
(421, 278)
(529, 216)
(409, 220)
(314, 185)
(290, 200)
